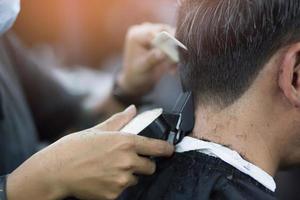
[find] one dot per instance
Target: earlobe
(289, 76)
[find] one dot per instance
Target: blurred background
(82, 32)
(83, 40)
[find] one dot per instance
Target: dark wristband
(3, 188)
(123, 98)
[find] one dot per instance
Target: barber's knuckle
(123, 181)
(127, 144)
(128, 164)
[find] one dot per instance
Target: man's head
(230, 41)
(245, 49)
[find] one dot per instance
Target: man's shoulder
(195, 176)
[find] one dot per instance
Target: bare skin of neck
(244, 129)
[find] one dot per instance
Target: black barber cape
(196, 176)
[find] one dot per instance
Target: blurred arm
(53, 108)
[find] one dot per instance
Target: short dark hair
(229, 42)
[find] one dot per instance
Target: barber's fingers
(153, 59)
(158, 65)
(151, 147)
(118, 121)
(144, 166)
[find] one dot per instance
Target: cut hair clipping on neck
(169, 45)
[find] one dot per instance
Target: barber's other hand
(99, 163)
(143, 65)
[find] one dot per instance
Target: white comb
(169, 45)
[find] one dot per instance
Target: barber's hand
(143, 65)
(99, 163)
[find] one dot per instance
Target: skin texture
(263, 125)
(98, 163)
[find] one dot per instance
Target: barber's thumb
(119, 120)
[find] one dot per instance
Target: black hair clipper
(172, 127)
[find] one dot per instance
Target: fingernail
(130, 109)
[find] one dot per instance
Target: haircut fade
(229, 42)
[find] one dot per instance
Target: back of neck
(245, 132)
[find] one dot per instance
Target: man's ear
(289, 76)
